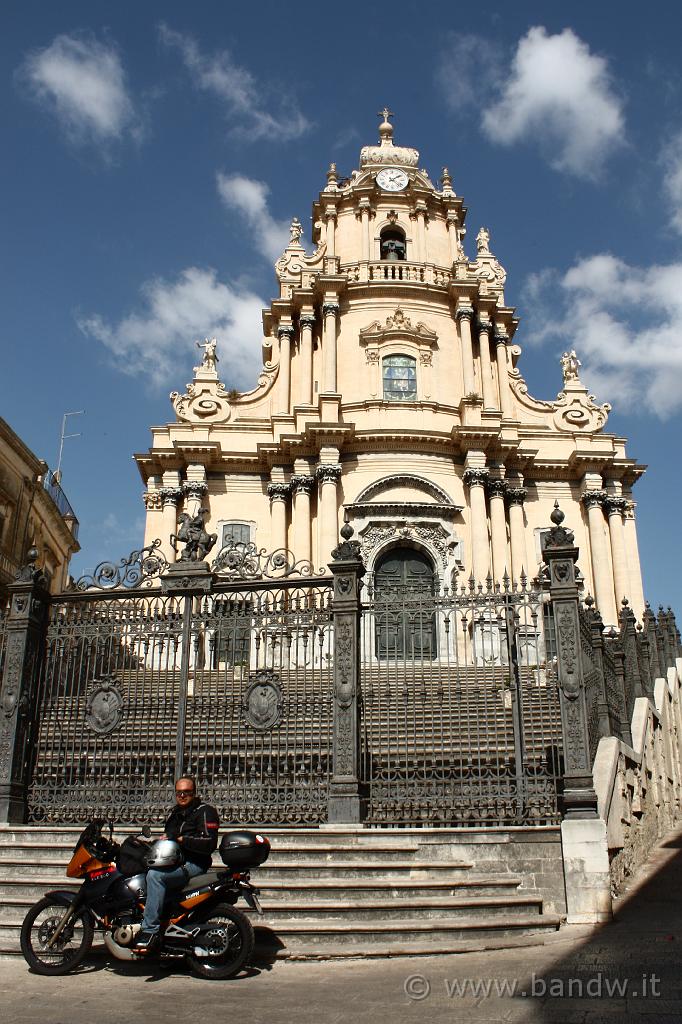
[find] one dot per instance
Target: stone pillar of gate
(18, 706)
(346, 801)
(583, 833)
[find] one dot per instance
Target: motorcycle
(200, 921)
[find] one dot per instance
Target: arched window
(393, 245)
(400, 378)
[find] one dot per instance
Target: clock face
(392, 179)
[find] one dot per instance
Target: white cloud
(157, 343)
(561, 94)
(244, 98)
(250, 200)
(83, 82)
(625, 323)
(556, 93)
(672, 179)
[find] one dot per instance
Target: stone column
(487, 383)
(194, 492)
(476, 479)
(498, 527)
(330, 312)
(346, 804)
(601, 574)
(330, 217)
(364, 228)
(517, 533)
(285, 334)
(327, 475)
(26, 623)
(420, 215)
(278, 493)
(305, 383)
(615, 508)
(464, 316)
(501, 340)
(153, 526)
(170, 498)
(302, 487)
(452, 225)
(632, 556)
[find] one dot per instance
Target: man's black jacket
(198, 825)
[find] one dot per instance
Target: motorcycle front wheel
(225, 943)
(70, 948)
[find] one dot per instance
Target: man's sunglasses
(184, 792)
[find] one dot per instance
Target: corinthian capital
(278, 491)
(286, 331)
(195, 488)
(465, 313)
(171, 496)
(614, 505)
(330, 309)
(592, 498)
(497, 488)
(328, 474)
(152, 500)
(302, 483)
(307, 320)
(516, 495)
(475, 477)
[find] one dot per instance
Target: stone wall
(639, 788)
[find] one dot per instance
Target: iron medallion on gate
(105, 706)
(262, 703)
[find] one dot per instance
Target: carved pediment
(398, 326)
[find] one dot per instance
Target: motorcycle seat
(199, 881)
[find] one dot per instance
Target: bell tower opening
(393, 246)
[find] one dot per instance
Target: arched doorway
(405, 614)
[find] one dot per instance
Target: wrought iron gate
(233, 686)
(466, 731)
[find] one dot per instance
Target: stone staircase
(348, 892)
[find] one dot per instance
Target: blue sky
(154, 154)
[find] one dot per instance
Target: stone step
(419, 909)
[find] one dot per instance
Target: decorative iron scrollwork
(263, 701)
(138, 569)
(105, 706)
(237, 560)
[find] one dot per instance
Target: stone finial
(446, 181)
(559, 536)
(385, 128)
(332, 179)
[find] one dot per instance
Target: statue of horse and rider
(192, 533)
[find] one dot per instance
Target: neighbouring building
(34, 512)
(391, 393)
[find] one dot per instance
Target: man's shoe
(146, 942)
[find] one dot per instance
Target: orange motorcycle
(200, 921)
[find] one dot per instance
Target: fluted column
(330, 217)
(615, 507)
(328, 475)
(464, 317)
(632, 556)
(302, 487)
(501, 340)
(452, 224)
(153, 526)
(285, 334)
(330, 312)
(305, 383)
(170, 498)
(484, 328)
(603, 584)
(516, 496)
(475, 479)
(498, 527)
(278, 493)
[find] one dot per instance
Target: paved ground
(628, 971)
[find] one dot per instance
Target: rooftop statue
(210, 357)
(570, 366)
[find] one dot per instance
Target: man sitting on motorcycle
(193, 825)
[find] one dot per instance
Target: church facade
(391, 395)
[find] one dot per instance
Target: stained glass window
(400, 378)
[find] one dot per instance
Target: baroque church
(391, 396)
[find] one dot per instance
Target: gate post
(345, 804)
(560, 554)
(25, 635)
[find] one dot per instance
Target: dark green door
(404, 586)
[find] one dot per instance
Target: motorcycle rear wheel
(226, 946)
(70, 949)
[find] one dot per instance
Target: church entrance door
(404, 587)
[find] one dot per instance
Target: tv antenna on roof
(65, 437)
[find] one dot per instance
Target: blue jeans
(158, 884)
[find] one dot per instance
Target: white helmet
(164, 853)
